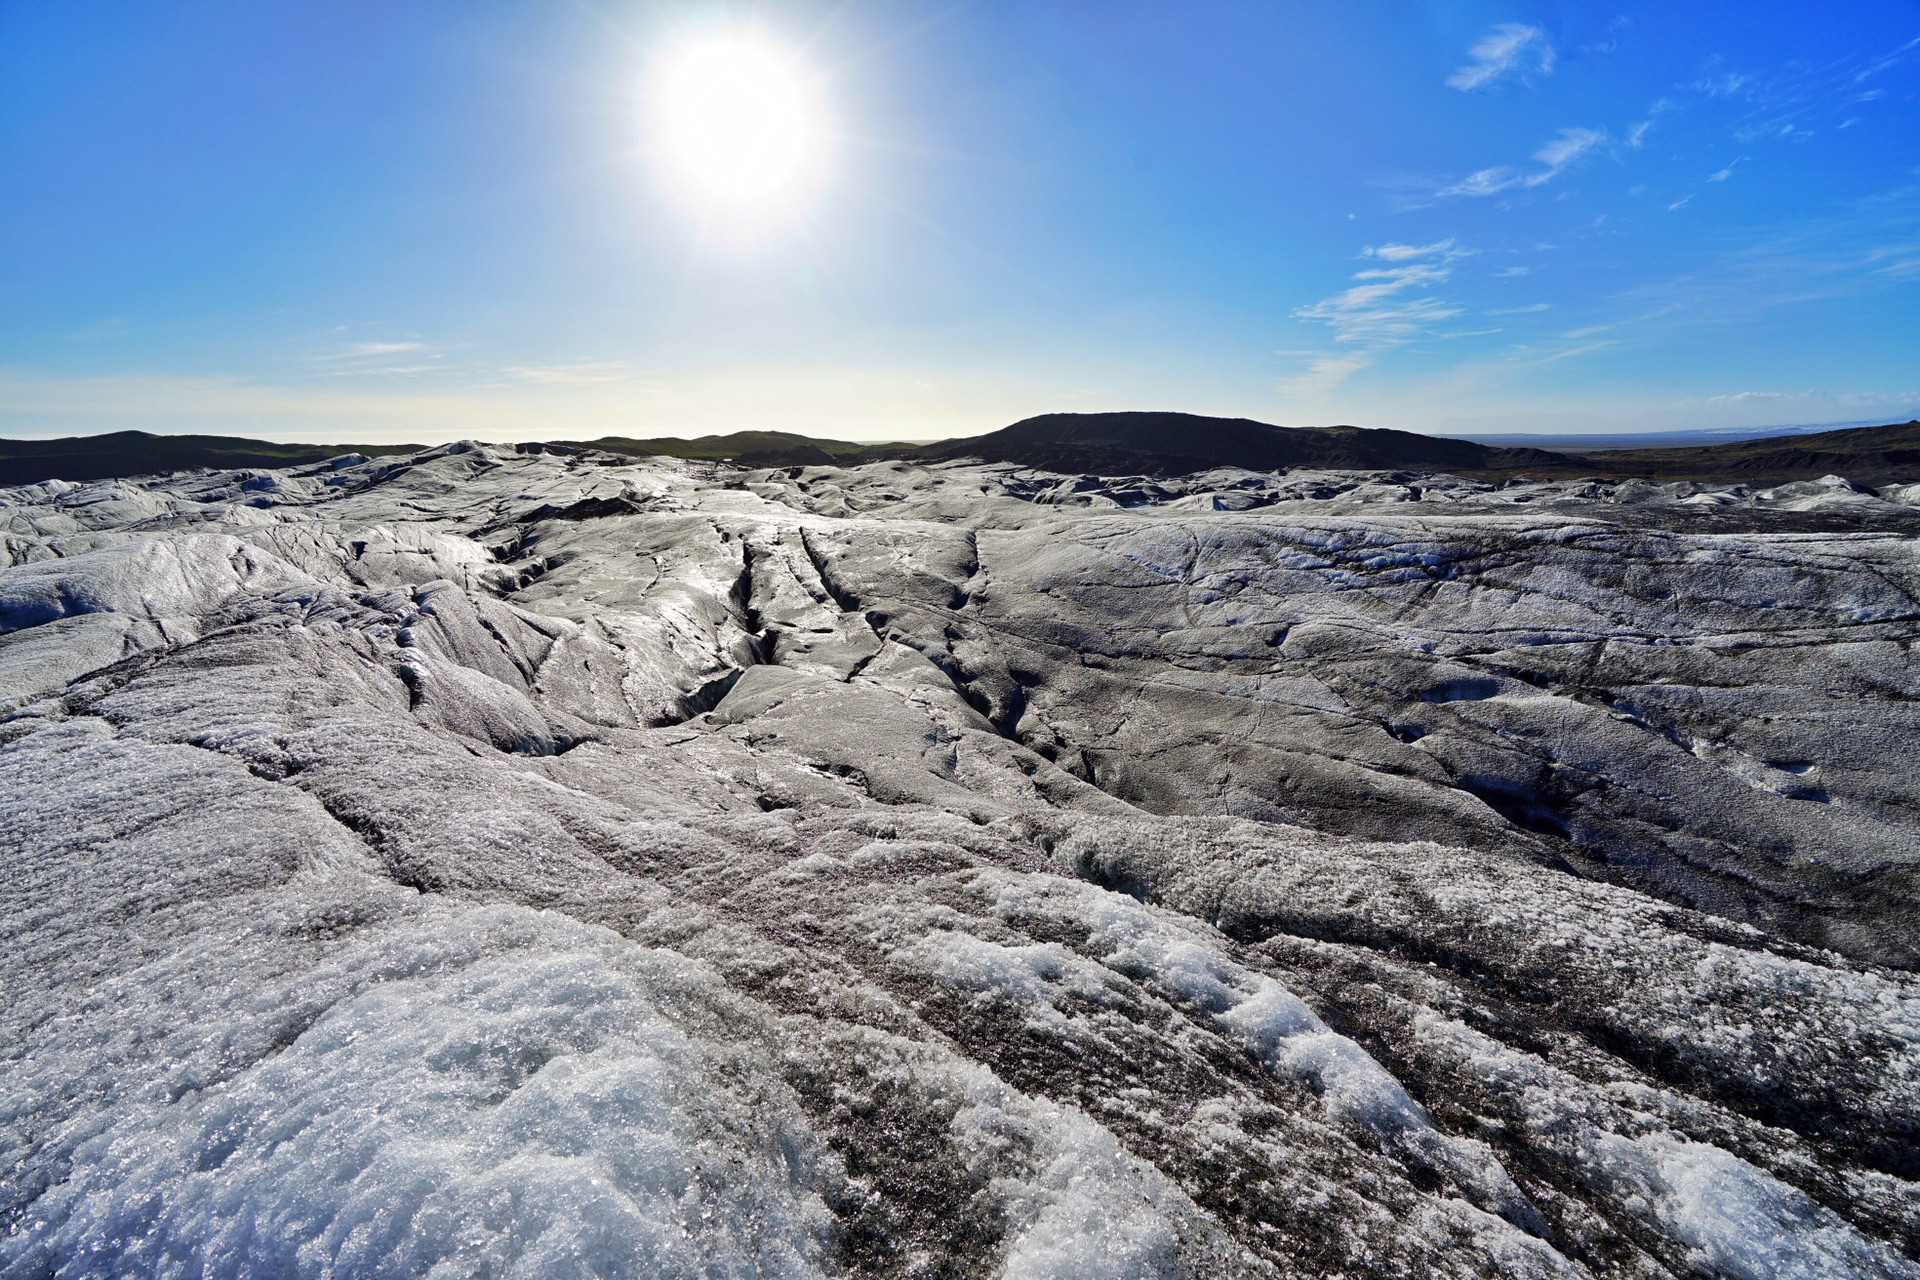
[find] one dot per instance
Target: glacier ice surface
(532, 863)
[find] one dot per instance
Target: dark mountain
(1175, 443)
(1867, 455)
(754, 449)
(1172, 443)
(1096, 443)
(137, 453)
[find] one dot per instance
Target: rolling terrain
(1156, 444)
(491, 862)
(136, 453)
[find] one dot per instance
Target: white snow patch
(1736, 1220)
(1033, 975)
(1277, 1026)
(1080, 1208)
(496, 1092)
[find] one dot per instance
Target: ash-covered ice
(539, 864)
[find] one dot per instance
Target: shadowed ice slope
(520, 864)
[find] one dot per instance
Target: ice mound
(489, 1092)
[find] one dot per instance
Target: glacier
(535, 862)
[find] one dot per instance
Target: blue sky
(429, 220)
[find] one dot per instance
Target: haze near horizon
(877, 222)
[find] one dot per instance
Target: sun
(741, 127)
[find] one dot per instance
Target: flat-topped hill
(1160, 443)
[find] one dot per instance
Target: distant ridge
(1175, 443)
(137, 453)
(1686, 438)
(1869, 455)
(752, 449)
(1171, 443)
(1131, 443)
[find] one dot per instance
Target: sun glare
(741, 126)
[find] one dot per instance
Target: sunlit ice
(740, 130)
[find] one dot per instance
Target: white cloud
(1527, 358)
(1725, 173)
(1896, 260)
(358, 359)
(1403, 252)
(1511, 48)
(1882, 64)
(1563, 152)
(1324, 373)
(361, 350)
(578, 373)
(1816, 397)
(1378, 314)
(1372, 315)
(1723, 84)
(1555, 156)
(1484, 182)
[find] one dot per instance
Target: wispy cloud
(357, 359)
(1325, 372)
(1871, 246)
(1407, 252)
(1510, 49)
(1484, 182)
(1724, 174)
(1796, 100)
(579, 373)
(1386, 309)
(1555, 157)
(1532, 357)
(1563, 151)
(1820, 396)
(395, 357)
(1881, 64)
(1897, 260)
(1722, 84)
